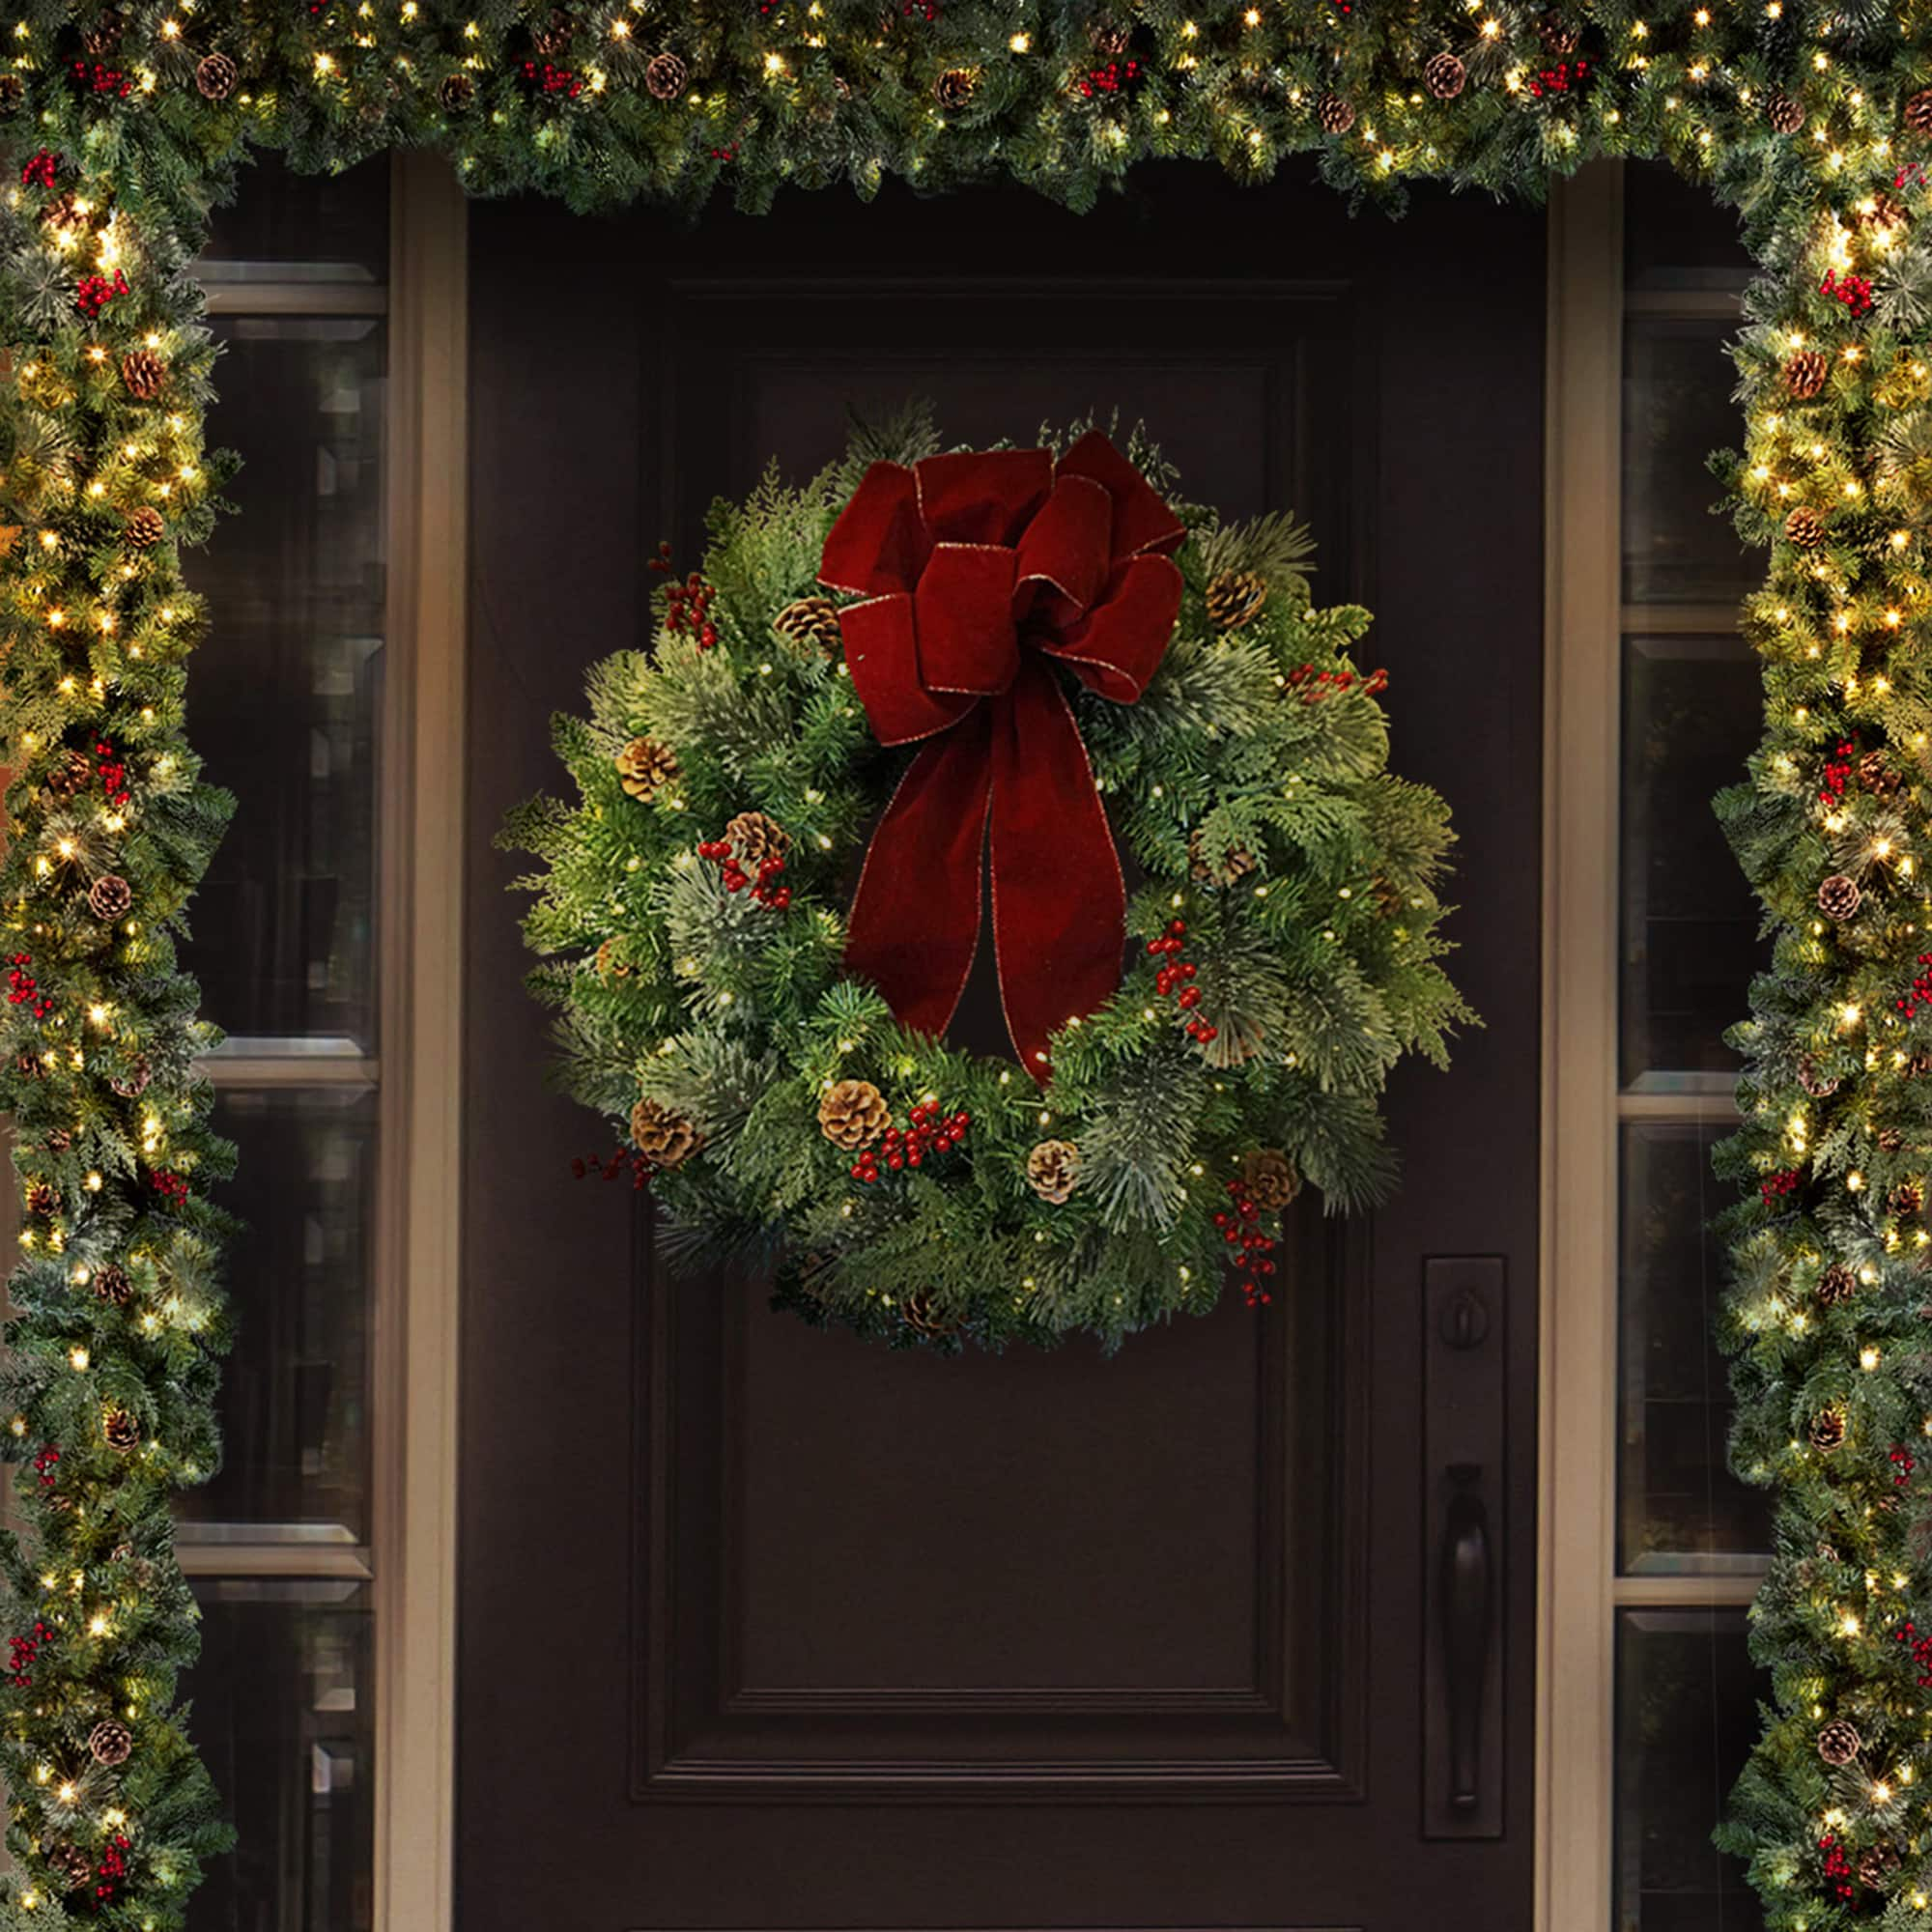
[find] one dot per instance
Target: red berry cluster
(1315, 685)
(1902, 1465)
(40, 170)
(1116, 78)
(23, 989)
(22, 1652)
(928, 1130)
(1854, 290)
(736, 878)
(1921, 994)
(548, 79)
(1565, 77)
(171, 1187)
(46, 1462)
(640, 1167)
(727, 152)
(1838, 1866)
(113, 1866)
(112, 770)
(1176, 979)
(1838, 772)
(96, 77)
(1920, 1648)
(1239, 1228)
(1776, 1186)
(94, 293)
(687, 605)
(1911, 175)
(921, 10)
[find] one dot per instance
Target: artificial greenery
(1249, 785)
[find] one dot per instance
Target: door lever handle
(1466, 1584)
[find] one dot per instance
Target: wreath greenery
(1285, 947)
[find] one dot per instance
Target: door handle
(1467, 1588)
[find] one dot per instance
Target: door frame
(416, 1794)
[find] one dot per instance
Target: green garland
(756, 1077)
(1811, 117)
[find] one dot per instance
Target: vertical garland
(119, 1325)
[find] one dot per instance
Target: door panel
(766, 1628)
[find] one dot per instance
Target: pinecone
(105, 36)
(853, 1114)
(132, 1084)
(1814, 1080)
(1886, 211)
(110, 1743)
(1877, 1865)
(63, 215)
(1836, 1284)
(554, 36)
(1559, 38)
(1109, 38)
(42, 1198)
(1839, 1742)
(1877, 775)
(1826, 1433)
(59, 1140)
(955, 87)
(144, 529)
(753, 837)
(1234, 597)
(1270, 1179)
(644, 767)
(143, 374)
(918, 1310)
(1053, 1170)
(456, 92)
(215, 75)
(110, 897)
(1804, 528)
(113, 1285)
(68, 1867)
(1890, 1140)
(1838, 898)
(664, 1139)
(1445, 77)
(1236, 862)
(1919, 111)
(29, 1066)
(1804, 374)
(1907, 1198)
(812, 623)
(612, 964)
(71, 775)
(664, 75)
(1784, 114)
(12, 91)
(121, 1430)
(1335, 115)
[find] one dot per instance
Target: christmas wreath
(758, 920)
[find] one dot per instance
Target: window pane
(290, 681)
(289, 227)
(284, 1713)
(1677, 408)
(1692, 714)
(1677, 234)
(1686, 1718)
(1679, 1507)
(295, 1399)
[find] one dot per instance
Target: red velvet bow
(977, 569)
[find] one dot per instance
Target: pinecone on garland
(1839, 1742)
(1784, 114)
(1110, 38)
(1919, 111)
(121, 1430)
(110, 897)
(1053, 1171)
(132, 1082)
(955, 87)
(920, 1312)
(68, 1867)
(1335, 115)
(1828, 1433)
(1560, 40)
(554, 36)
(1804, 528)
(71, 776)
(143, 374)
(1445, 77)
(1814, 1080)
(664, 75)
(144, 529)
(12, 91)
(754, 838)
(110, 1743)
(1235, 863)
(59, 1140)
(214, 76)
(853, 1114)
(1877, 775)
(1270, 1179)
(1877, 1865)
(1234, 597)
(457, 92)
(1890, 1140)
(810, 622)
(1838, 898)
(42, 1198)
(1804, 374)
(1836, 1284)
(612, 963)
(113, 1285)
(1907, 1198)
(104, 35)
(645, 768)
(664, 1139)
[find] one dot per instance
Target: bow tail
(915, 920)
(1059, 900)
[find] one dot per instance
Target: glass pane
(286, 227)
(1692, 714)
(1677, 408)
(1686, 1718)
(1679, 1507)
(289, 687)
(285, 1714)
(1677, 234)
(295, 1396)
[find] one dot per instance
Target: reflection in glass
(1689, 940)
(1686, 1718)
(289, 227)
(295, 1400)
(1678, 235)
(1677, 408)
(284, 1713)
(290, 679)
(1679, 1507)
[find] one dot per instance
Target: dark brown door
(763, 1628)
